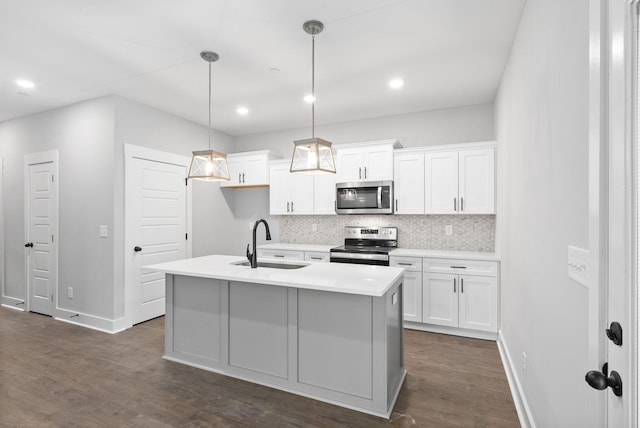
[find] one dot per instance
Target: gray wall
(83, 134)
(541, 125)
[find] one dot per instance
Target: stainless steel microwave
(366, 197)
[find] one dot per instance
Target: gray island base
(334, 346)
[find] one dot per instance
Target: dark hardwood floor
(54, 374)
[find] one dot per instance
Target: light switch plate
(104, 231)
(577, 264)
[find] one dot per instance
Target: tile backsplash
(470, 232)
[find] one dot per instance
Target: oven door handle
(359, 256)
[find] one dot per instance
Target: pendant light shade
(313, 155)
(209, 165)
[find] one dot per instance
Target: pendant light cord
(209, 105)
(313, 81)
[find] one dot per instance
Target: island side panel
(194, 319)
(394, 341)
(335, 342)
(258, 328)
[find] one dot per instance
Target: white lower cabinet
(459, 295)
(281, 254)
(464, 301)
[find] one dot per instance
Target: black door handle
(137, 249)
(29, 245)
(600, 380)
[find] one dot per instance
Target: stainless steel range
(366, 245)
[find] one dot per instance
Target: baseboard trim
(91, 321)
(519, 399)
(485, 335)
(13, 303)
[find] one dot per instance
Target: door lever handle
(29, 245)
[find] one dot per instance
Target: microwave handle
(379, 196)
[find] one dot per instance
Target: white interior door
(157, 210)
(41, 225)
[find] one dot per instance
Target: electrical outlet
(577, 264)
(314, 227)
(70, 292)
(448, 230)
(104, 231)
(524, 364)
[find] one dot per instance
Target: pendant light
(209, 165)
(312, 155)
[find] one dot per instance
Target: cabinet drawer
(463, 267)
(281, 254)
(314, 256)
(409, 263)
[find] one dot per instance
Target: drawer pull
(315, 258)
(405, 264)
(458, 267)
(278, 255)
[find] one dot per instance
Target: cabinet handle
(315, 258)
(455, 207)
(405, 264)
(458, 267)
(461, 204)
(365, 172)
(396, 205)
(287, 206)
(243, 177)
(239, 178)
(454, 285)
(291, 206)
(462, 285)
(279, 256)
(360, 173)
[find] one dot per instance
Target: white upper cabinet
(408, 182)
(371, 161)
(249, 169)
(290, 193)
(324, 194)
(476, 187)
(460, 182)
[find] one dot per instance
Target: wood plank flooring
(54, 374)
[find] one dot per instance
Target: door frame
(132, 152)
(34, 159)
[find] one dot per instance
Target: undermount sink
(273, 265)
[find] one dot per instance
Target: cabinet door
(350, 165)
(280, 254)
(378, 163)
(478, 303)
(255, 170)
(441, 183)
(440, 299)
(324, 194)
(279, 201)
(477, 181)
(235, 172)
(408, 183)
(301, 193)
(412, 292)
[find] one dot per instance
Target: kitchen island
(328, 331)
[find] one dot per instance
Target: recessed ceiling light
(25, 84)
(396, 83)
(309, 98)
(242, 111)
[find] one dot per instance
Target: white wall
(542, 133)
(83, 134)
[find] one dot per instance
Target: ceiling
(449, 53)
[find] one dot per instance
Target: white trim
(525, 415)
(395, 142)
(91, 321)
(453, 331)
(50, 156)
(492, 144)
(3, 275)
(137, 152)
(8, 306)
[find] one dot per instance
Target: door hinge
(186, 181)
(52, 178)
(52, 297)
(52, 238)
(186, 236)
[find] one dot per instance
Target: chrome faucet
(253, 257)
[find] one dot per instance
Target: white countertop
(445, 254)
(335, 277)
(298, 247)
